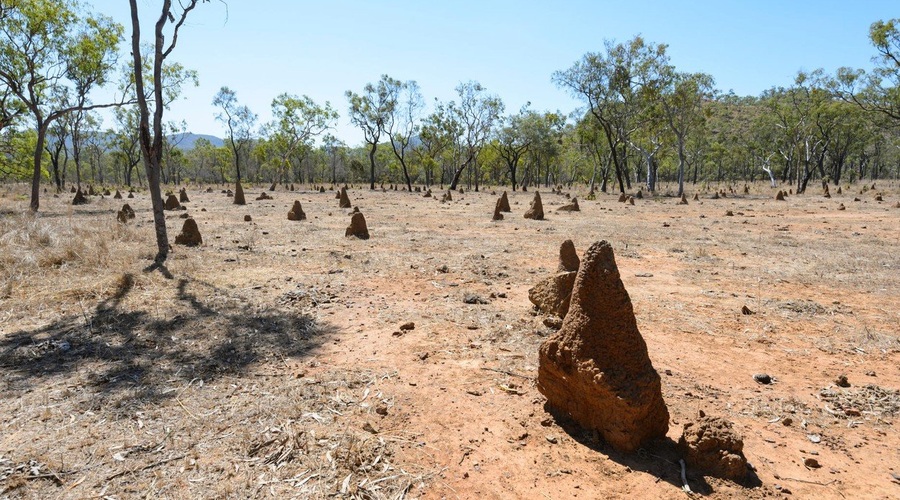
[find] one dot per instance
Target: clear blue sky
(322, 48)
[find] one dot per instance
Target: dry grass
(267, 365)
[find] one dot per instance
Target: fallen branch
(149, 466)
(511, 374)
(807, 481)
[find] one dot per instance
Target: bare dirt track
(270, 362)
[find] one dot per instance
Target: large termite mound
(536, 210)
(504, 203)
(497, 212)
(296, 212)
(345, 200)
(596, 368)
(357, 227)
(190, 234)
(570, 207)
(239, 194)
(568, 257)
(172, 203)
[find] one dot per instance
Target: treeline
(642, 122)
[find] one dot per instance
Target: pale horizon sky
(263, 48)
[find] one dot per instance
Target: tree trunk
(36, 176)
(372, 165)
(456, 176)
(681, 161)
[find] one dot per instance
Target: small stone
(408, 326)
(248, 218)
(472, 298)
(787, 421)
(369, 428)
(380, 409)
(763, 378)
(746, 311)
(841, 381)
(811, 463)
(552, 439)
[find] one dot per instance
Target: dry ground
(270, 363)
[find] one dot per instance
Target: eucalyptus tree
(617, 85)
(12, 112)
(437, 136)
(82, 128)
(590, 143)
(58, 152)
(207, 162)
(476, 115)
(371, 111)
(298, 120)
(337, 154)
(513, 138)
(240, 123)
(125, 141)
(541, 157)
(50, 49)
(151, 139)
(402, 124)
(879, 90)
(682, 97)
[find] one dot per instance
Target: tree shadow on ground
(660, 459)
(140, 354)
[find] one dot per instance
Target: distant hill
(186, 142)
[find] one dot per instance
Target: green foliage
(239, 122)
(52, 54)
(17, 154)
